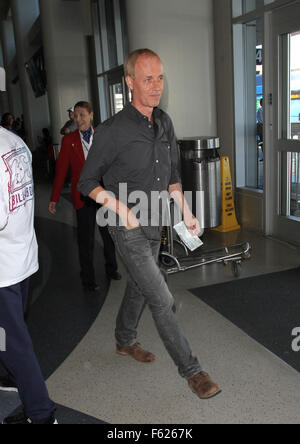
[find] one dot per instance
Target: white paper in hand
(192, 242)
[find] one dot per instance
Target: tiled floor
(257, 386)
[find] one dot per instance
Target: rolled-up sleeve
(101, 156)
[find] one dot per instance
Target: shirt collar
(89, 131)
(137, 114)
(87, 135)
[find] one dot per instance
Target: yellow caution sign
(229, 220)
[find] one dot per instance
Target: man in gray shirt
(70, 126)
(137, 147)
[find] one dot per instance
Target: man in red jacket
(74, 151)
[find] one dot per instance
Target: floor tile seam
(256, 343)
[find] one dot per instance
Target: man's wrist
(187, 214)
(123, 212)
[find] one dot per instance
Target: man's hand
(190, 221)
(52, 207)
(104, 198)
(192, 224)
(130, 221)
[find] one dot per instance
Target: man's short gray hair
(130, 62)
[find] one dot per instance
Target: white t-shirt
(18, 245)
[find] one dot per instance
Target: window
(249, 96)
(290, 126)
(294, 185)
(242, 7)
(111, 50)
(294, 87)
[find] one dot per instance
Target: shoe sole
(209, 397)
(122, 353)
(137, 360)
(9, 389)
(55, 423)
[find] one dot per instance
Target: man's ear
(129, 82)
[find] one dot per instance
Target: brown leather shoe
(136, 352)
(203, 386)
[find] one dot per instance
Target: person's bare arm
(52, 207)
(189, 219)
(102, 197)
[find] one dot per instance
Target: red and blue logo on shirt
(20, 187)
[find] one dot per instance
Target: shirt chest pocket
(136, 160)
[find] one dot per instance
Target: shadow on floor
(60, 312)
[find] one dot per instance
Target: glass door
(285, 152)
(113, 92)
(117, 91)
(116, 97)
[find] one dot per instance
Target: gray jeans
(146, 285)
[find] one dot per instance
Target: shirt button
(150, 126)
(157, 161)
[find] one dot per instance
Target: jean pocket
(129, 234)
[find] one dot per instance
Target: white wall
(66, 58)
(181, 32)
(3, 95)
(39, 105)
(9, 59)
(224, 79)
(17, 107)
(36, 111)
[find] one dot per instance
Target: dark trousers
(86, 221)
(19, 358)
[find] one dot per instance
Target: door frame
(283, 20)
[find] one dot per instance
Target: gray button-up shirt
(129, 149)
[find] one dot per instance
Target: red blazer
(71, 155)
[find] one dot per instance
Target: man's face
(10, 120)
(148, 83)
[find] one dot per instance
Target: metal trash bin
(201, 171)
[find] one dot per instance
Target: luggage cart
(232, 254)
